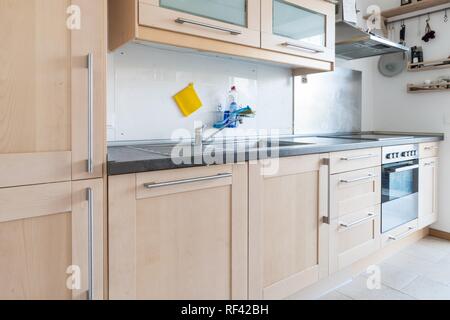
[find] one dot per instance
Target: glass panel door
(298, 23)
(229, 11)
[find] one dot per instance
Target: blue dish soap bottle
(233, 106)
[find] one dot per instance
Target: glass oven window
(399, 184)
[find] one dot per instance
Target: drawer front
(399, 233)
(152, 15)
(354, 160)
(158, 183)
(354, 237)
(429, 150)
(354, 191)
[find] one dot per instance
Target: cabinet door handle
(371, 216)
(302, 47)
(429, 164)
(369, 177)
(366, 156)
(326, 164)
(90, 200)
(403, 235)
(430, 148)
(90, 66)
(209, 26)
(153, 185)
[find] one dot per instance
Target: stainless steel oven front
(400, 186)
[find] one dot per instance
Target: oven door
(400, 196)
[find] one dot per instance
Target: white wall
(142, 81)
(395, 109)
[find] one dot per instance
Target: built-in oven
(400, 186)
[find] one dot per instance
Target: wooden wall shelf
(434, 87)
(410, 8)
(429, 65)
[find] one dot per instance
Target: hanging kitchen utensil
(403, 33)
(445, 16)
(392, 64)
(429, 33)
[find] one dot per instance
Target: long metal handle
(233, 32)
(369, 177)
(90, 200)
(153, 185)
(302, 47)
(371, 216)
(430, 148)
(326, 189)
(90, 66)
(366, 156)
(403, 169)
(429, 163)
(401, 236)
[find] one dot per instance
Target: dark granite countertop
(126, 158)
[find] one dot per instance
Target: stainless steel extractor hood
(354, 43)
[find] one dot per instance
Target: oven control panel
(400, 153)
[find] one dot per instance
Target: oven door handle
(403, 169)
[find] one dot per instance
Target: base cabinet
(179, 234)
(288, 242)
(428, 189)
(45, 243)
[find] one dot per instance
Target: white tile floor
(419, 272)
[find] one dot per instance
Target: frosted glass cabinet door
(236, 21)
(300, 27)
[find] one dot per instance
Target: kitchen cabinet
(428, 150)
(288, 239)
(52, 104)
(236, 21)
(428, 191)
(399, 233)
(355, 206)
(179, 234)
(299, 27)
(51, 241)
(232, 28)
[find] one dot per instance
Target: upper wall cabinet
(299, 27)
(236, 21)
(295, 33)
(52, 97)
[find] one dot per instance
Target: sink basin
(223, 146)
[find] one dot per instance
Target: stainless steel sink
(222, 146)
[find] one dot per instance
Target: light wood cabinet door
(354, 191)
(44, 241)
(236, 21)
(288, 240)
(179, 234)
(428, 192)
(43, 101)
(299, 27)
(353, 237)
(429, 150)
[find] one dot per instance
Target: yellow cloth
(188, 100)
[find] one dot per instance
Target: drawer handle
(366, 156)
(430, 148)
(369, 177)
(429, 164)
(207, 25)
(153, 185)
(403, 235)
(302, 47)
(371, 216)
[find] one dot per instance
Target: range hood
(353, 43)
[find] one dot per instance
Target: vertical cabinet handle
(90, 66)
(326, 164)
(90, 200)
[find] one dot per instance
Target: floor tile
(410, 263)
(394, 276)
(426, 250)
(335, 295)
(358, 290)
(425, 289)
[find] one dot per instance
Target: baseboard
(345, 276)
(440, 234)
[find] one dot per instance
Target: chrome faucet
(200, 140)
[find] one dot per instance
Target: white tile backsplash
(143, 79)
